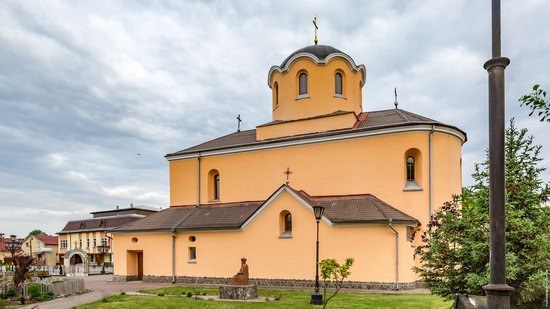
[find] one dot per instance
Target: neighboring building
(43, 248)
(379, 175)
(5, 253)
(87, 242)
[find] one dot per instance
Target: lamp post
(316, 297)
(102, 249)
(498, 292)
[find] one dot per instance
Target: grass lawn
(289, 299)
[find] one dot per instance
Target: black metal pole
(316, 297)
(317, 262)
(498, 292)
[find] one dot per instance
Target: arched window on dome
(302, 84)
(339, 84)
(276, 95)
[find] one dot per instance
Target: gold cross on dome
(287, 173)
(315, 29)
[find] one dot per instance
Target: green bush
(189, 294)
(9, 294)
(34, 291)
(2, 303)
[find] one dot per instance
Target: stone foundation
(242, 292)
(273, 283)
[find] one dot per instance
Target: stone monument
(239, 286)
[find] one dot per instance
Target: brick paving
(100, 285)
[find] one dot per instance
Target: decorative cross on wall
(287, 173)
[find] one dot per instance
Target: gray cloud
(86, 86)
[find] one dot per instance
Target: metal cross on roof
(395, 94)
(239, 123)
(287, 173)
(315, 28)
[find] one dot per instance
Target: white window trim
(303, 96)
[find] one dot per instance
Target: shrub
(34, 291)
(160, 294)
(189, 294)
(2, 303)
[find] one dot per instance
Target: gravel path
(100, 285)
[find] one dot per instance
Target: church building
(378, 174)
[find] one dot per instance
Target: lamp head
(318, 212)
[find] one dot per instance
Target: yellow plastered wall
(321, 88)
(315, 125)
(374, 165)
(372, 247)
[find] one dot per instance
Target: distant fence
(60, 287)
(60, 270)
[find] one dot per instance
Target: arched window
(276, 94)
(338, 87)
(288, 223)
(285, 224)
(217, 186)
(214, 185)
(410, 169)
(302, 84)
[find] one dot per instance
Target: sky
(93, 94)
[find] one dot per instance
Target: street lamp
(316, 297)
(103, 249)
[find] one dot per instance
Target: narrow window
(288, 223)
(87, 242)
(217, 186)
(276, 90)
(95, 242)
(338, 86)
(410, 169)
(80, 243)
(192, 254)
(303, 84)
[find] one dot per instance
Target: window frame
(192, 254)
(216, 192)
(336, 84)
(410, 168)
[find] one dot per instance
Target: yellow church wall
(374, 165)
(219, 252)
(321, 98)
(313, 125)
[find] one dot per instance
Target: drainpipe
(173, 255)
(430, 171)
(199, 180)
(396, 255)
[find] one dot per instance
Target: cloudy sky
(86, 86)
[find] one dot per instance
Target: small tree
(333, 275)
(22, 264)
(537, 102)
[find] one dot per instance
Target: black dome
(320, 51)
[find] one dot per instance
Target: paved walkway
(100, 285)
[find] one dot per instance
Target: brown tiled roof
(367, 121)
(98, 224)
(47, 239)
(358, 208)
(361, 208)
(217, 216)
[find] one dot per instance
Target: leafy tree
(22, 264)
(455, 252)
(538, 102)
(333, 275)
(35, 233)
